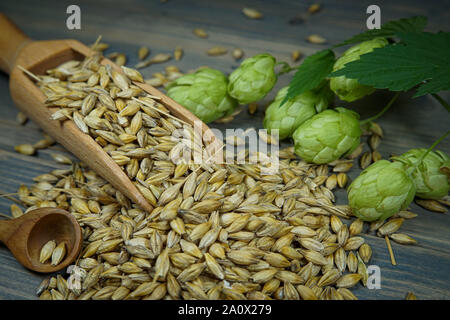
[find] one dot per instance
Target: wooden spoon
(25, 236)
(16, 49)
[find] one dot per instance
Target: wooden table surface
(126, 25)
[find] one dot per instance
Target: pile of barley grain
(217, 232)
(228, 234)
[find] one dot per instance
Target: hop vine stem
(363, 122)
(441, 101)
(286, 68)
(430, 149)
(422, 157)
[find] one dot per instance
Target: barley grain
(316, 39)
(431, 205)
(314, 8)
(237, 53)
(47, 251)
(201, 33)
(252, 13)
(143, 53)
(402, 238)
(217, 51)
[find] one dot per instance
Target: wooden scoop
(25, 236)
(16, 49)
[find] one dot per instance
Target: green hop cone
(381, 190)
(350, 89)
(327, 136)
(430, 182)
(254, 78)
(297, 110)
(204, 93)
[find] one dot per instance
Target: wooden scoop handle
(17, 49)
(12, 40)
(7, 228)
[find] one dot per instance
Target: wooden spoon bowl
(25, 236)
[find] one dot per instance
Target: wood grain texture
(422, 269)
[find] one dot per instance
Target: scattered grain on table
(316, 39)
(201, 33)
(252, 13)
(178, 53)
(314, 8)
(252, 107)
(26, 149)
(296, 55)
(143, 52)
(100, 46)
(159, 58)
(121, 59)
(217, 51)
(21, 118)
(237, 53)
(431, 205)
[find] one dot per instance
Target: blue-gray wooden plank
(410, 123)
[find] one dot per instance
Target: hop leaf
(401, 66)
(315, 68)
(389, 29)
(350, 89)
(310, 73)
